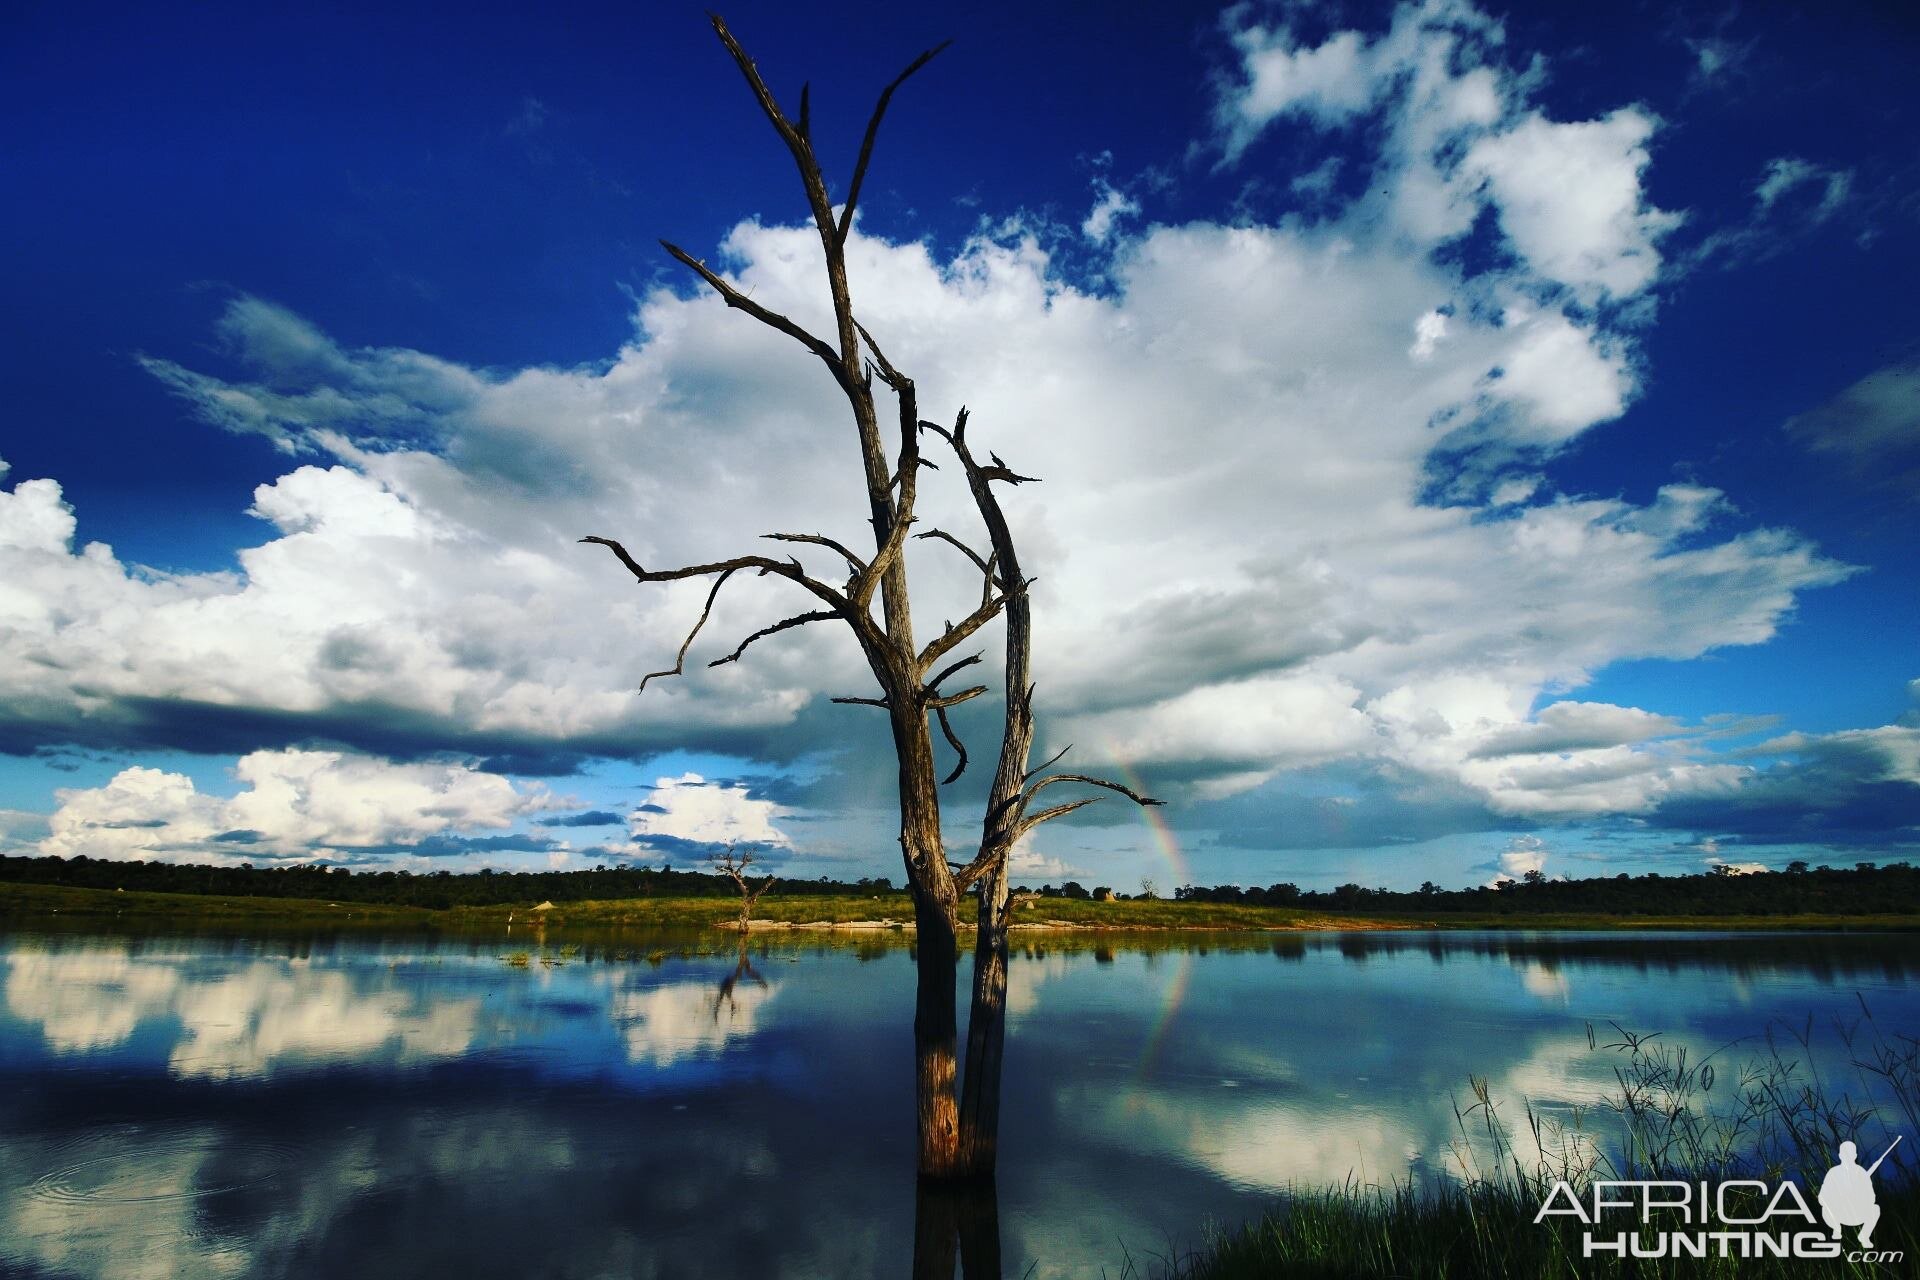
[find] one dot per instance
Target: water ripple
(184, 1168)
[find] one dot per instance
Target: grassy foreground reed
(1668, 1115)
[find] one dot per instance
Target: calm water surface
(366, 1107)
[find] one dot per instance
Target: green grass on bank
(50, 903)
(43, 904)
(21, 903)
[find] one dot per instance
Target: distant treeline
(1861, 890)
(437, 889)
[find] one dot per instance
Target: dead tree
(735, 864)
(957, 1124)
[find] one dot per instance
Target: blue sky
(1473, 441)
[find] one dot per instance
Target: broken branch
(787, 624)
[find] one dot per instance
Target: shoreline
(69, 907)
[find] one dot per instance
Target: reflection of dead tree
(734, 864)
(956, 1217)
(957, 1131)
(743, 969)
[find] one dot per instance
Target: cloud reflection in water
(375, 1108)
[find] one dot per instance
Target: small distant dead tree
(735, 863)
(958, 1116)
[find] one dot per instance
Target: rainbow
(1163, 836)
(1181, 872)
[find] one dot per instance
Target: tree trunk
(935, 1037)
(935, 899)
(986, 1031)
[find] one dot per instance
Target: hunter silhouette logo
(1735, 1218)
(1846, 1193)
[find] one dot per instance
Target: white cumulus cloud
(1461, 137)
(293, 805)
(690, 808)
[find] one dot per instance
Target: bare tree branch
(1086, 780)
(1056, 758)
(772, 319)
(886, 571)
(863, 702)
(889, 550)
(788, 569)
(786, 624)
(1000, 471)
(955, 436)
(957, 632)
(680, 659)
(1000, 835)
(873, 131)
(953, 740)
(1008, 820)
(988, 582)
(797, 141)
(625, 558)
(892, 376)
(940, 705)
(955, 699)
(962, 547)
(1047, 815)
(933, 685)
(928, 463)
(906, 472)
(1090, 781)
(859, 565)
(800, 145)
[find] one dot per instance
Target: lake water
(390, 1107)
